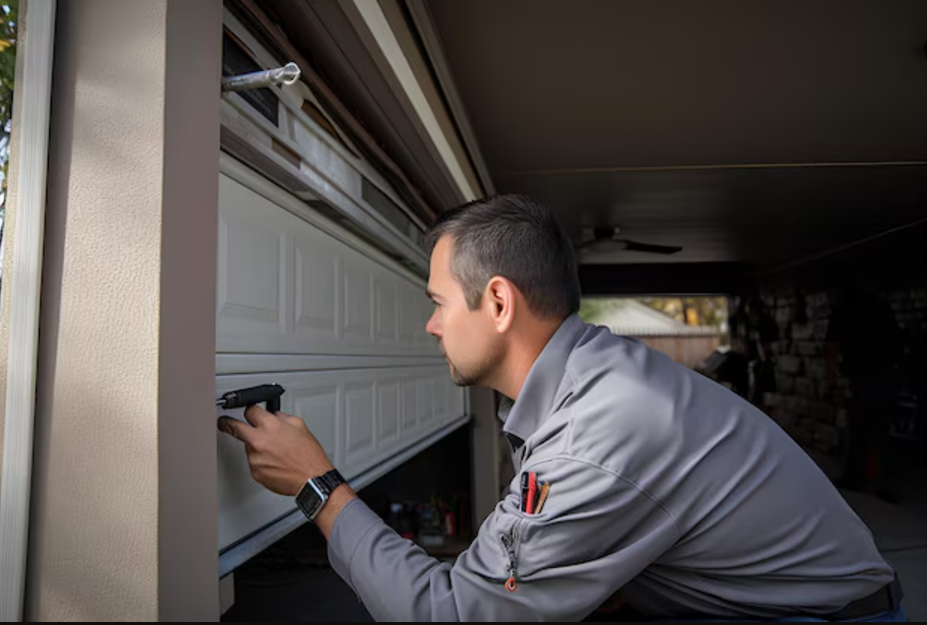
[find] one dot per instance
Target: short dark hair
(515, 237)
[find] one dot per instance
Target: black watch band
(329, 482)
(316, 491)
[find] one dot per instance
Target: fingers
(292, 421)
(235, 428)
(255, 415)
(257, 419)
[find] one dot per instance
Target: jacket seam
(621, 477)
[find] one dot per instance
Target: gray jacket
(661, 484)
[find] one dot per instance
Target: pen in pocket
(542, 497)
(532, 491)
(524, 492)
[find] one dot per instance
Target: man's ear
(500, 298)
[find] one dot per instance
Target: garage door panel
(244, 506)
(409, 314)
(358, 303)
(386, 310)
(318, 291)
(252, 279)
(317, 405)
(342, 329)
(409, 408)
(425, 391)
(389, 402)
(287, 287)
(359, 417)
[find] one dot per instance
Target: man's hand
(282, 452)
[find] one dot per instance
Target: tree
(693, 311)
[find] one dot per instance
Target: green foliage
(592, 309)
(9, 22)
(696, 311)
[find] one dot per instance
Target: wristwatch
(316, 491)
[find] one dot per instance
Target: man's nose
(433, 327)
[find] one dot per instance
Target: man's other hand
(282, 452)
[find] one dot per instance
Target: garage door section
(341, 328)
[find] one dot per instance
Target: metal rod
(719, 167)
(287, 75)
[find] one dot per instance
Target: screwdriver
(242, 398)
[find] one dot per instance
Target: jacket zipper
(508, 543)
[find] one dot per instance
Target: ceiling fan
(605, 239)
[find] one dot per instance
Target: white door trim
(25, 281)
(378, 24)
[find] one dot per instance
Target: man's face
(468, 338)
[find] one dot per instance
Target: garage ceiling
(759, 132)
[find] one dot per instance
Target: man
(639, 475)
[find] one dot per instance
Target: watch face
(310, 500)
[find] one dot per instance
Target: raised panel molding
(360, 422)
(318, 291)
(358, 302)
(389, 405)
(425, 393)
(251, 293)
(286, 287)
(319, 407)
(386, 310)
(409, 408)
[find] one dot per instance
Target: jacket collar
(522, 418)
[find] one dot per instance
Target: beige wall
(124, 499)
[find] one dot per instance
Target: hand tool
(242, 398)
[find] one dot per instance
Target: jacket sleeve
(595, 533)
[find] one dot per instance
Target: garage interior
(781, 146)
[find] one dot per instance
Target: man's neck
(526, 346)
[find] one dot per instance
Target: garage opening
(690, 330)
(426, 499)
(753, 188)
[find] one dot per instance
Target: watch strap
(329, 482)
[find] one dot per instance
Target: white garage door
(341, 328)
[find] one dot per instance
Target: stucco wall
(124, 503)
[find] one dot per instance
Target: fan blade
(634, 246)
(601, 236)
